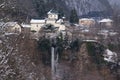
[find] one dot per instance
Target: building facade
(37, 24)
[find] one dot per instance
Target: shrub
(97, 57)
(33, 31)
(45, 47)
(75, 45)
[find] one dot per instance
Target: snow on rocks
(110, 56)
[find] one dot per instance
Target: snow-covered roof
(26, 25)
(52, 12)
(37, 21)
(105, 20)
(85, 30)
(86, 19)
(11, 24)
(60, 20)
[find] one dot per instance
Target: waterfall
(52, 63)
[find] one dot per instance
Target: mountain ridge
(39, 8)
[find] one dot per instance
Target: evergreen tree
(40, 7)
(73, 16)
(61, 13)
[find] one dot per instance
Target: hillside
(23, 61)
(114, 3)
(18, 10)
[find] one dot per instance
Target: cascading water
(53, 63)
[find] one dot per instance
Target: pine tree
(61, 13)
(40, 7)
(73, 16)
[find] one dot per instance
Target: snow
(52, 12)
(105, 20)
(10, 33)
(26, 25)
(49, 12)
(110, 56)
(113, 33)
(90, 40)
(1, 5)
(60, 21)
(11, 23)
(86, 19)
(103, 32)
(110, 53)
(86, 30)
(37, 21)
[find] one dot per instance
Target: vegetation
(96, 54)
(49, 27)
(44, 45)
(33, 31)
(73, 16)
(75, 45)
(61, 13)
(60, 44)
(40, 7)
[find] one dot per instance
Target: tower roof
(52, 12)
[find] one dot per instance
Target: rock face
(85, 6)
(20, 59)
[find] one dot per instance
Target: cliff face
(85, 6)
(20, 59)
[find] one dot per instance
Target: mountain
(23, 9)
(85, 6)
(114, 3)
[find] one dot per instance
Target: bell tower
(53, 15)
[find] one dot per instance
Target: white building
(106, 22)
(12, 27)
(36, 24)
(86, 22)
